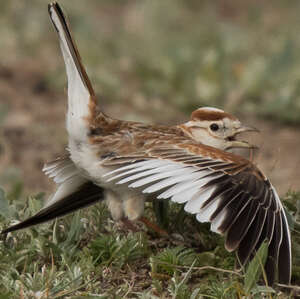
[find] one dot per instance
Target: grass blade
(256, 267)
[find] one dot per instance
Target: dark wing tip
(241, 203)
(251, 218)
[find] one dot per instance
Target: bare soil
(33, 130)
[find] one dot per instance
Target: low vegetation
(87, 255)
(143, 56)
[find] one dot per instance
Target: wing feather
(73, 192)
(271, 265)
(60, 169)
(191, 179)
(185, 185)
(194, 205)
(241, 225)
(250, 240)
(173, 172)
(234, 209)
(184, 196)
(171, 177)
(285, 254)
(232, 194)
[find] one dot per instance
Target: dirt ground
(33, 130)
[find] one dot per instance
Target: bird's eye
(214, 127)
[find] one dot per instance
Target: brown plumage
(128, 162)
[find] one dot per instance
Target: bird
(127, 163)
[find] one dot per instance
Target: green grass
(86, 255)
(243, 57)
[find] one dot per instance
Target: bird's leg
(129, 225)
(153, 226)
(115, 205)
(134, 209)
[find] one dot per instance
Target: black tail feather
(86, 195)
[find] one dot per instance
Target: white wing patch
(66, 174)
(61, 170)
(180, 182)
(63, 174)
(135, 167)
(213, 195)
(216, 223)
(197, 178)
(171, 179)
(205, 213)
(184, 196)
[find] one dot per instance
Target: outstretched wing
(228, 191)
(61, 169)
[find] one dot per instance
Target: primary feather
(131, 160)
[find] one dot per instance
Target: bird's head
(214, 127)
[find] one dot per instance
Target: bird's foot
(153, 226)
(149, 224)
(129, 225)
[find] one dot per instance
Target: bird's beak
(242, 129)
(232, 143)
(239, 144)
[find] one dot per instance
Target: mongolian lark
(129, 162)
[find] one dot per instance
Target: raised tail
(74, 192)
(81, 96)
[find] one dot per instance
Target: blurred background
(151, 61)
